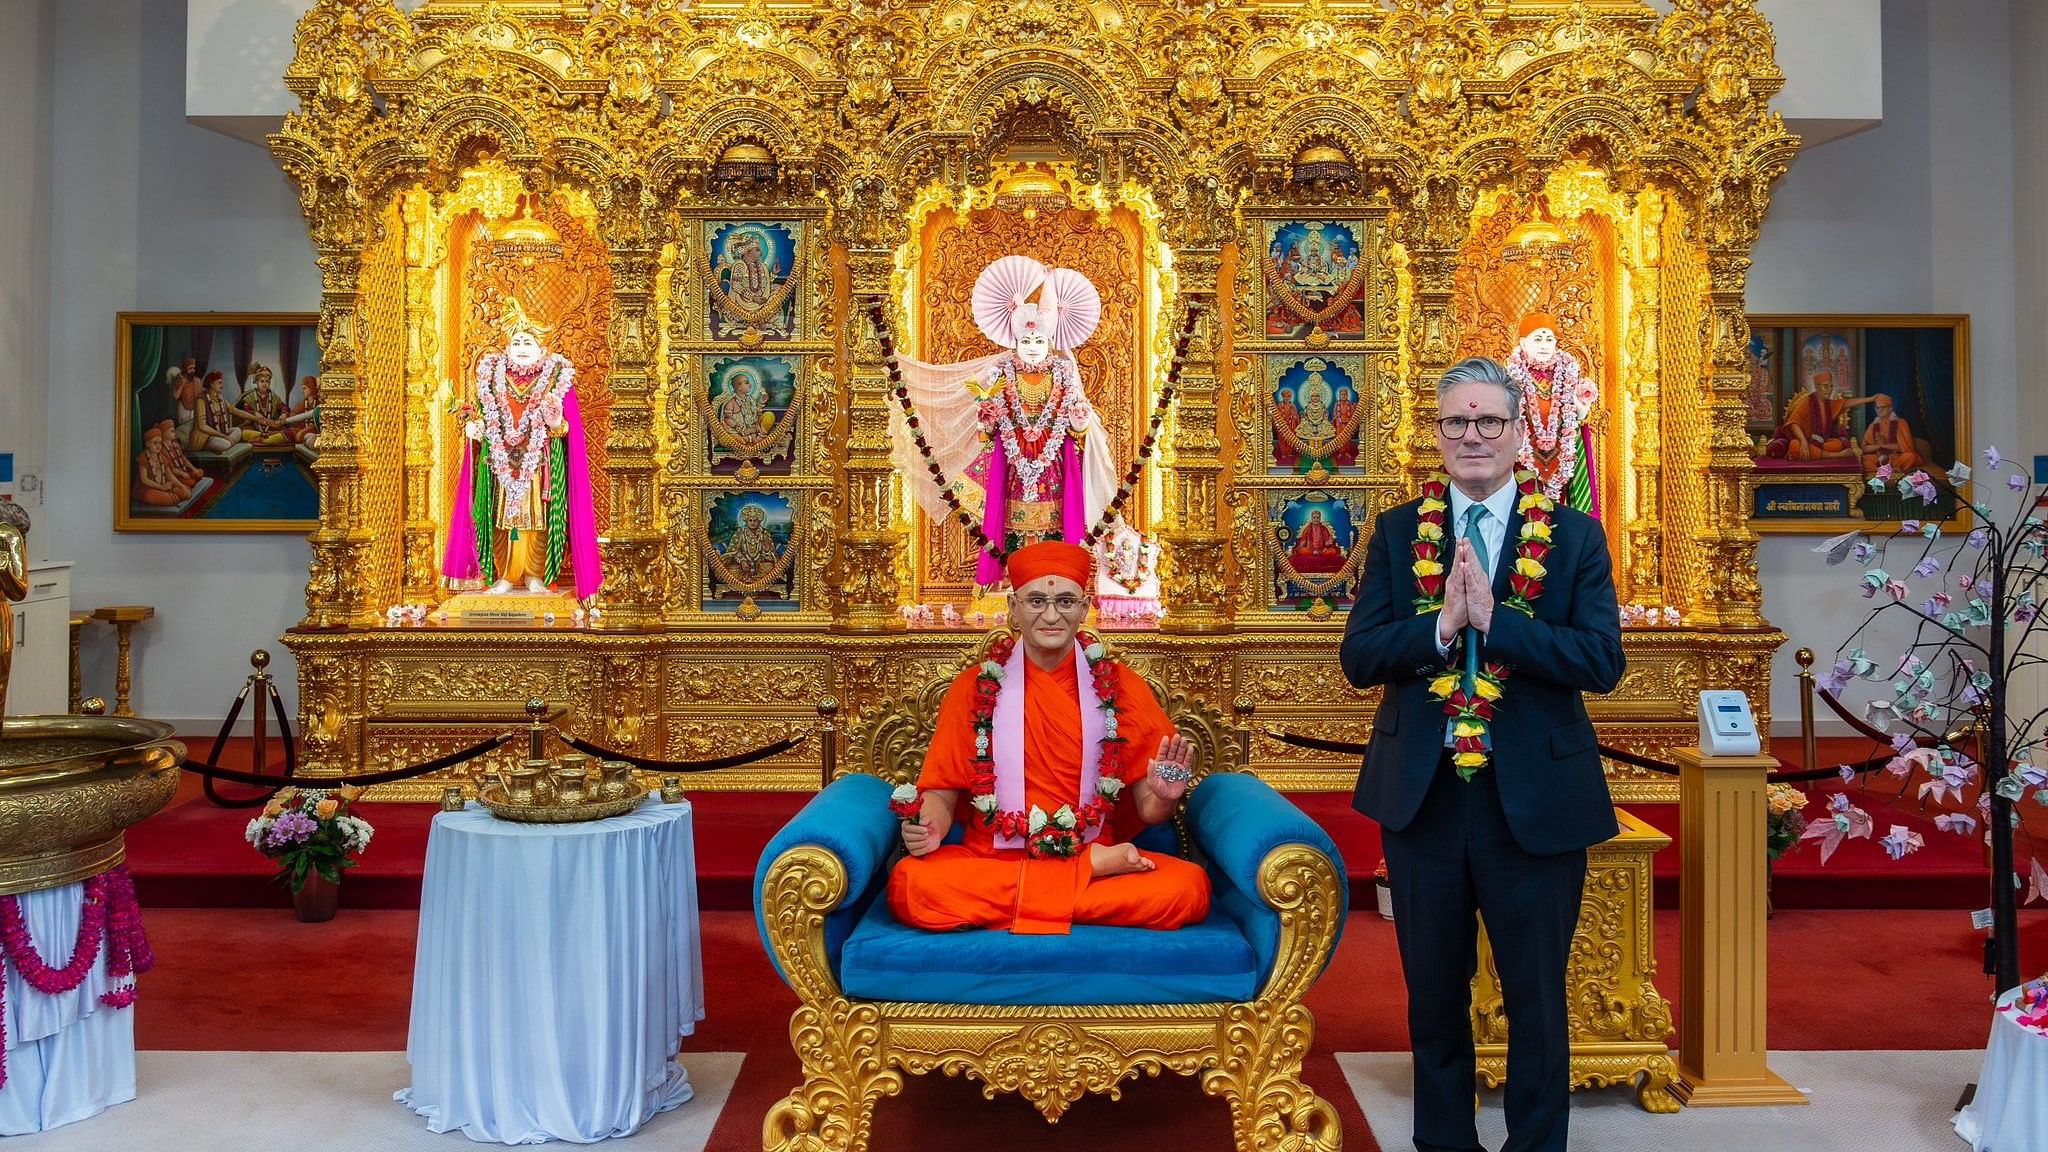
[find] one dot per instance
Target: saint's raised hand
(1173, 768)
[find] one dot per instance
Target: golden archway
(1405, 138)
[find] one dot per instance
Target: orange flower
(349, 793)
(326, 809)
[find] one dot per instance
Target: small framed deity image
(1313, 413)
(749, 407)
(1314, 277)
(216, 422)
(749, 542)
(1836, 402)
(753, 280)
(1315, 550)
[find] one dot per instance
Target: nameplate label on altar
(498, 615)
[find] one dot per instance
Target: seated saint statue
(1888, 439)
(259, 411)
(524, 500)
(1557, 408)
(1052, 757)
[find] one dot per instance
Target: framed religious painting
(1313, 413)
(1314, 278)
(1842, 410)
(749, 543)
(749, 408)
(1315, 557)
(217, 422)
(752, 278)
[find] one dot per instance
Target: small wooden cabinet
(40, 683)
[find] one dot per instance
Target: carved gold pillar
(1643, 545)
(338, 592)
(1195, 575)
(1722, 943)
(870, 545)
(1432, 341)
(1728, 592)
(421, 581)
(632, 557)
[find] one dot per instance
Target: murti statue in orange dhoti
(1052, 756)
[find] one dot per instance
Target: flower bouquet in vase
(1784, 824)
(312, 837)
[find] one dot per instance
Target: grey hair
(1481, 370)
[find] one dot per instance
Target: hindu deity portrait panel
(1313, 550)
(750, 406)
(1317, 279)
(750, 542)
(1316, 408)
(753, 280)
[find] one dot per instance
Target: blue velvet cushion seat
(1202, 963)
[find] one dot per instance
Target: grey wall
(152, 214)
(1914, 215)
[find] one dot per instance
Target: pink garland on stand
(111, 916)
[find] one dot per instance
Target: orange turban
(1050, 558)
(1535, 320)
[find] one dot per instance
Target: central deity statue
(1557, 409)
(1016, 425)
(524, 498)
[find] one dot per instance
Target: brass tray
(493, 797)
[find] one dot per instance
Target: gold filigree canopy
(644, 129)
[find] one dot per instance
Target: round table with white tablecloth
(559, 967)
(2009, 1112)
(69, 1055)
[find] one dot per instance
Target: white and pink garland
(110, 916)
(529, 432)
(1572, 397)
(1066, 409)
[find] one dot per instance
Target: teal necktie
(1474, 514)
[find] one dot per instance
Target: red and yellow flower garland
(1057, 834)
(1472, 713)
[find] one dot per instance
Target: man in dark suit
(1509, 843)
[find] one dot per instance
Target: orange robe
(974, 884)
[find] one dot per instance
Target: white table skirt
(2009, 1113)
(68, 1056)
(559, 966)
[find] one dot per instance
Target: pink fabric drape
(459, 560)
(995, 512)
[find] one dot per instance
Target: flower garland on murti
(1472, 714)
(1056, 834)
(529, 432)
(109, 916)
(1571, 397)
(1003, 410)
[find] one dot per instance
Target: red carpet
(257, 980)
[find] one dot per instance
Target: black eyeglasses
(1490, 427)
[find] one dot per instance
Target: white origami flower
(1038, 820)
(1094, 652)
(985, 804)
(1110, 787)
(991, 668)
(903, 794)
(1064, 818)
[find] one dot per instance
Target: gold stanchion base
(1695, 1091)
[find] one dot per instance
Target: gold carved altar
(701, 198)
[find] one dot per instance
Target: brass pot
(616, 779)
(69, 786)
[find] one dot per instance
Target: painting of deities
(1872, 400)
(749, 545)
(752, 277)
(221, 424)
(1315, 414)
(1313, 534)
(1314, 279)
(748, 423)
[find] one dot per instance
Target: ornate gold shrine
(1338, 184)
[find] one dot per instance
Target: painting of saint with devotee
(217, 423)
(1837, 403)
(749, 414)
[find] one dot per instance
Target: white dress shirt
(1493, 532)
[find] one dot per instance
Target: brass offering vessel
(562, 790)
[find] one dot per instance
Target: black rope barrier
(214, 771)
(220, 742)
(712, 765)
(1618, 755)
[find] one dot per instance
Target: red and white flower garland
(551, 381)
(1065, 409)
(111, 916)
(1472, 712)
(1059, 833)
(1572, 396)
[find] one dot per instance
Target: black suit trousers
(1457, 858)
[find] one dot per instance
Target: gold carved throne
(1220, 1000)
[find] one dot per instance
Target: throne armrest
(1276, 872)
(818, 875)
